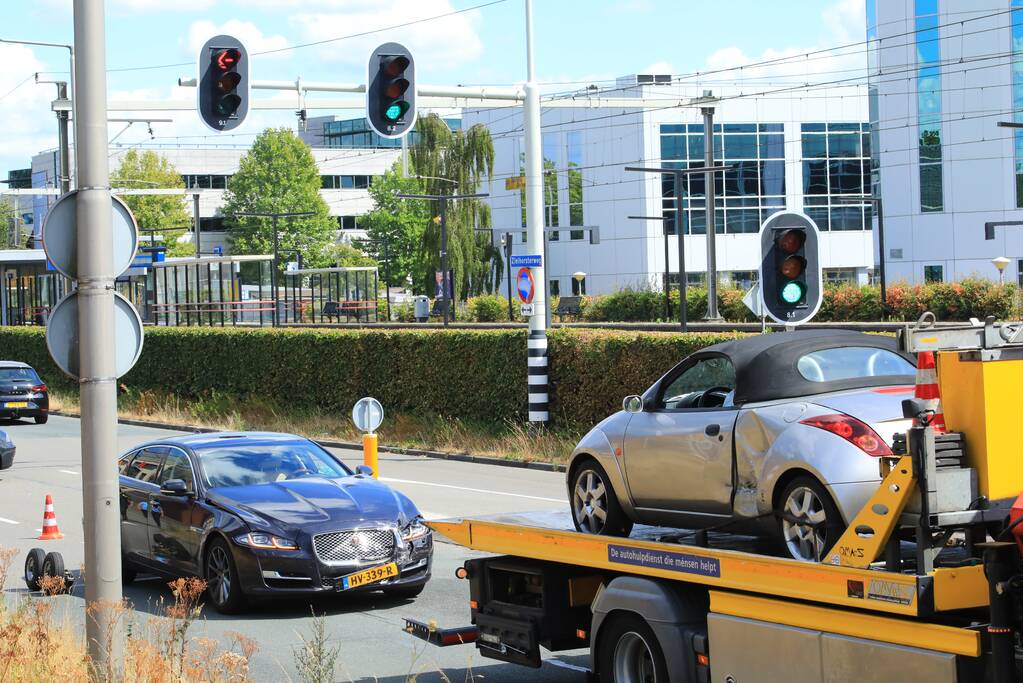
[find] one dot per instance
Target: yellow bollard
(369, 452)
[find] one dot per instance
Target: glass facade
(356, 133)
(747, 193)
(205, 182)
(551, 219)
(928, 55)
(574, 163)
(836, 164)
(1017, 93)
(873, 108)
(345, 182)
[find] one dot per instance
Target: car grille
(350, 547)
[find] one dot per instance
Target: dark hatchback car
(266, 514)
(22, 393)
(6, 451)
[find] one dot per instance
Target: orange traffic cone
(51, 532)
(927, 388)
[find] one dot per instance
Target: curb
(349, 445)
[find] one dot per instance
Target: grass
(508, 440)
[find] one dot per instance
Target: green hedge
(479, 375)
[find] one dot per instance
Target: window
(839, 275)
(1019, 272)
(574, 157)
(555, 288)
(347, 222)
(247, 464)
(145, 465)
(836, 175)
(851, 362)
(692, 389)
(934, 273)
(550, 181)
(176, 466)
(743, 279)
(578, 287)
(928, 51)
(122, 463)
(1017, 93)
(20, 375)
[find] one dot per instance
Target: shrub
(488, 308)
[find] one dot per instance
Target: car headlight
(258, 539)
(415, 530)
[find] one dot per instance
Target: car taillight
(852, 430)
(39, 387)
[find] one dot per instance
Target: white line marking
(8, 521)
(466, 488)
(69, 472)
(566, 665)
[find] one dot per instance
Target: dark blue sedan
(6, 451)
(266, 514)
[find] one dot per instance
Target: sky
(151, 43)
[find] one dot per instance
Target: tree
(7, 225)
(166, 214)
(279, 175)
(399, 222)
(456, 162)
(347, 256)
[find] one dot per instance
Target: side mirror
(364, 470)
(174, 487)
(632, 404)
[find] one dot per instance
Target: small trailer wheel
(53, 565)
(34, 568)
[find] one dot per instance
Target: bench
(569, 305)
(331, 310)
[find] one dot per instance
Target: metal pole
(446, 302)
(683, 312)
(387, 276)
(880, 247)
(537, 343)
(667, 280)
(273, 273)
(708, 160)
(404, 156)
(195, 219)
(98, 383)
(507, 266)
(62, 142)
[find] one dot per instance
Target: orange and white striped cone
(927, 388)
(51, 532)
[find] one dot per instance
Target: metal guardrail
(889, 327)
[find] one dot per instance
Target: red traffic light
(225, 59)
(394, 66)
(792, 241)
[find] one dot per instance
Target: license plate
(16, 404)
(367, 576)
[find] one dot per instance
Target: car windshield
(850, 362)
(247, 464)
(18, 375)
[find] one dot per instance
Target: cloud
(163, 5)
(661, 67)
(250, 35)
(441, 43)
(29, 125)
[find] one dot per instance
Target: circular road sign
(367, 414)
(60, 235)
(62, 335)
(525, 284)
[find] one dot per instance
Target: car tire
(223, 588)
(34, 568)
(809, 522)
(592, 495)
(41, 419)
(404, 592)
(128, 571)
(629, 651)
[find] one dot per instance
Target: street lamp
(1000, 262)
(579, 276)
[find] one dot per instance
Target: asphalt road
(367, 628)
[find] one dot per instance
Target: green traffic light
(396, 110)
(792, 292)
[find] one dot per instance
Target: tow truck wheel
(629, 652)
(595, 508)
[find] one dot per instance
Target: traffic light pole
(98, 382)
(712, 259)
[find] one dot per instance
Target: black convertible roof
(765, 365)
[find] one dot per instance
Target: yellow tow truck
(912, 592)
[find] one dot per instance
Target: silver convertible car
(776, 434)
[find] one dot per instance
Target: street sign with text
(526, 260)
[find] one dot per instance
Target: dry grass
(510, 440)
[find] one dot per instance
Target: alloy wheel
(804, 525)
(589, 502)
(633, 662)
(218, 575)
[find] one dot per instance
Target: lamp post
(579, 276)
(1000, 262)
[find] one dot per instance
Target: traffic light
(391, 90)
(790, 271)
(223, 84)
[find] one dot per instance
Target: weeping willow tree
(458, 162)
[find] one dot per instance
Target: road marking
(8, 521)
(566, 665)
(466, 488)
(69, 472)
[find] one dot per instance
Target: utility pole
(275, 318)
(680, 220)
(62, 107)
(97, 383)
(709, 168)
(195, 220)
(446, 292)
(537, 380)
